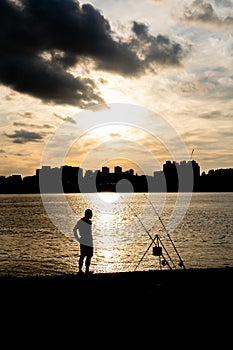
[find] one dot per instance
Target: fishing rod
(181, 263)
(143, 256)
(152, 239)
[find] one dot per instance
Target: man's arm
(75, 231)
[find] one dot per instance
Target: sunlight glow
(109, 197)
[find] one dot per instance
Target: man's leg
(80, 263)
(87, 263)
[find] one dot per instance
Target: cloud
(24, 136)
(223, 3)
(27, 115)
(115, 135)
(199, 10)
(215, 115)
(44, 126)
(9, 96)
(156, 50)
(203, 12)
(140, 29)
(21, 154)
(66, 119)
(44, 40)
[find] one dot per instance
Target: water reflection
(109, 197)
(108, 260)
(30, 243)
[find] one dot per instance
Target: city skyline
(115, 169)
(174, 177)
(143, 85)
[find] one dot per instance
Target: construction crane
(191, 155)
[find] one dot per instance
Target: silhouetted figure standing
(83, 233)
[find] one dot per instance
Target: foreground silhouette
(83, 233)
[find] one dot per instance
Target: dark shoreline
(215, 281)
(191, 300)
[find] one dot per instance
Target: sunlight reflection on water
(30, 244)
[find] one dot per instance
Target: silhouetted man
(83, 233)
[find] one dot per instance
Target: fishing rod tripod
(157, 250)
(159, 245)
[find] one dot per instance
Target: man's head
(88, 213)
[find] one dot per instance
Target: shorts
(86, 250)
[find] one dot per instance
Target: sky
(115, 82)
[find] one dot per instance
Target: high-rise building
(105, 170)
(118, 170)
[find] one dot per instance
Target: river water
(36, 232)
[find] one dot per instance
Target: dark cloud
(41, 40)
(24, 136)
(46, 81)
(140, 29)
(159, 49)
(44, 39)
(164, 51)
